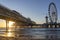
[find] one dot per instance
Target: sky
(34, 9)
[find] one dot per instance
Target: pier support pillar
(7, 25)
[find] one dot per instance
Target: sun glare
(11, 23)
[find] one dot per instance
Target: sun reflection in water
(10, 32)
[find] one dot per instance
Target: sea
(32, 34)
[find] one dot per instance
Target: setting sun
(11, 23)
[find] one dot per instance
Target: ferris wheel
(52, 13)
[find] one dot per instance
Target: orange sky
(2, 23)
